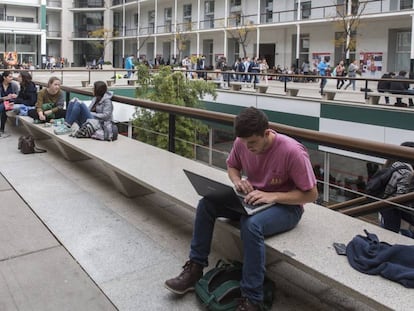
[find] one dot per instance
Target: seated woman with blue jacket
(27, 97)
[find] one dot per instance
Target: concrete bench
(304, 256)
(132, 82)
(329, 94)
(236, 86)
(290, 91)
(261, 88)
(373, 98)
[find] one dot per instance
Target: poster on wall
(10, 58)
(318, 57)
(370, 64)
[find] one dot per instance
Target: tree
(182, 38)
(241, 31)
(106, 35)
(348, 20)
(172, 88)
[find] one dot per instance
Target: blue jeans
(3, 117)
(77, 112)
(253, 230)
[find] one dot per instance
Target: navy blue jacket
(394, 262)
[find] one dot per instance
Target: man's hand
(244, 186)
(259, 197)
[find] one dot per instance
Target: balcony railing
(54, 3)
(54, 33)
(80, 4)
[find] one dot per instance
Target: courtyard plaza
(70, 241)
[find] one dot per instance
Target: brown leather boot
(187, 279)
(246, 305)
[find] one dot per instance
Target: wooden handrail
(364, 146)
(378, 205)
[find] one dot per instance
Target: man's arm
(241, 185)
(292, 197)
(254, 196)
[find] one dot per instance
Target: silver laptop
(223, 194)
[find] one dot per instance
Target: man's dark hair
(251, 121)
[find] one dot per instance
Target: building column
(43, 35)
(411, 74)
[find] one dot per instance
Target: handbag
(26, 145)
(87, 129)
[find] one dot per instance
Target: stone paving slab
(21, 232)
(48, 280)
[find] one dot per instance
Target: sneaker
(62, 130)
(246, 305)
(187, 279)
(3, 134)
(75, 128)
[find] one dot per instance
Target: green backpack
(219, 288)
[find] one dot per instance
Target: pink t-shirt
(283, 167)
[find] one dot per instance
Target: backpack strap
(220, 292)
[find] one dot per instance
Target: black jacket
(384, 85)
(399, 86)
(27, 95)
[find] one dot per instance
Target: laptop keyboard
(247, 205)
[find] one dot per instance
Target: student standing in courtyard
(269, 168)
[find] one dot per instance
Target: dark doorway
(267, 50)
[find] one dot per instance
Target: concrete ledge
(307, 248)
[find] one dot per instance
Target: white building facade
(285, 32)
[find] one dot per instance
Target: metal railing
(363, 205)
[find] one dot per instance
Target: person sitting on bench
(278, 170)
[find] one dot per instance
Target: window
(354, 7)
(168, 14)
(187, 8)
(235, 6)
(209, 7)
(305, 8)
(303, 48)
(406, 4)
(151, 16)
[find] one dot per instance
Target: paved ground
(69, 241)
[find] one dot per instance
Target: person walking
(340, 72)
(352, 71)
(323, 67)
